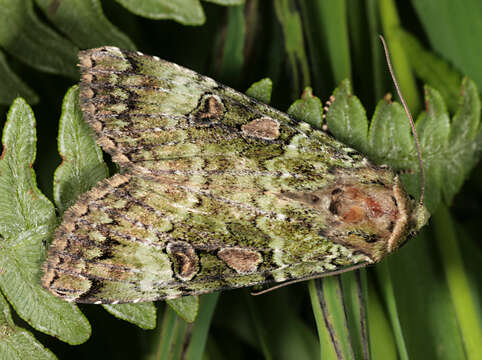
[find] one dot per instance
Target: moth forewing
(217, 191)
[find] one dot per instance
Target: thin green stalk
(355, 295)
(383, 273)
(327, 351)
(200, 329)
(335, 337)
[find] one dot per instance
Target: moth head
(418, 217)
(412, 217)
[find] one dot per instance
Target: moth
(216, 191)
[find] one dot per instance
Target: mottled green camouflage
(216, 191)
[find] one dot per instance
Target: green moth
(216, 191)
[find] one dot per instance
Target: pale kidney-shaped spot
(244, 261)
(264, 128)
(186, 262)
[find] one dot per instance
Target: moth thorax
(355, 206)
(371, 219)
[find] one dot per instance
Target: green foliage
(27, 220)
(143, 315)
(308, 109)
(451, 29)
(418, 304)
(261, 90)
(84, 23)
(15, 342)
(187, 12)
(13, 86)
(23, 35)
(186, 307)
(185, 338)
(432, 70)
(82, 165)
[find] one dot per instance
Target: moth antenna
(318, 276)
(407, 111)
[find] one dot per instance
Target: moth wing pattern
(217, 191)
(132, 239)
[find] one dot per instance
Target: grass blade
(386, 284)
(335, 339)
(334, 20)
(450, 28)
(391, 26)
(290, 21)
(458, 283)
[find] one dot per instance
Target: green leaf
(261, 90)
(432, 69)
(346, 118)
(85, 23)
(308, 109)
(449, 151)
(186, 307)
(453, 31)
(142, 314)
(24, 36)
(17, 343)
(187, 12)
(465, 133)
(26, 222)
(390, 139)
(433, 128)
(82, 168)
(226, 2)
(82, 165)
(12, 86)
